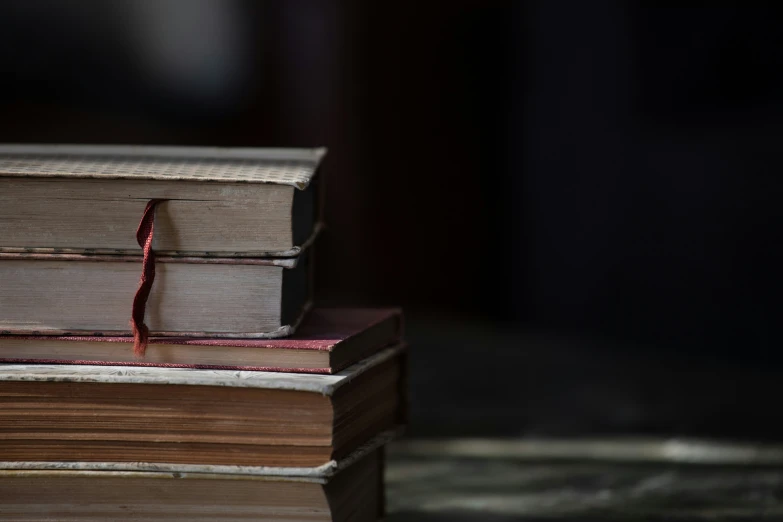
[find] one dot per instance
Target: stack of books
(160, 355)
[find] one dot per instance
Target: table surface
(486, 481)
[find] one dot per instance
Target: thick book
(350, 490)
(80, 413)
(76, 294)
(224, 202)
(328, 341)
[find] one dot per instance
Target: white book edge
(306, 382)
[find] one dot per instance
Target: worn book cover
(167, 416)
(212, 201)
(329, 340)
(350, 489)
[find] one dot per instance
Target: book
(328, 341)
(348, 490)
(224, 202)
(81, 413)
(50, 294)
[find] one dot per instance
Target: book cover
(100, 414)
(212, 201)
(349, 489)
(329, 340)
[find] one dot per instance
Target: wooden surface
(453, 486)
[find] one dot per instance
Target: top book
(228, 202)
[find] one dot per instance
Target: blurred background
(578, 204)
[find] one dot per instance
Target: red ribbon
(144, 237)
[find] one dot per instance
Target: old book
(61, 413)
(350, 490)
(328, 341)
(217, 297)
(226, 202)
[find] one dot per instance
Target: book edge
(313, 156)
(319, 474)
(325, 384)
(329, 344)
(285, 258)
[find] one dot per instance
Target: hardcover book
(328, 341)
(73, 294)
(170, 416)
(224, 202)
(347, 490)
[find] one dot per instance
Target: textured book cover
(329, 340)
(176, 416)
(351, 488)
(213, 201)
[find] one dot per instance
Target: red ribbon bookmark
(144, 237)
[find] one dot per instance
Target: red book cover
(329, 340)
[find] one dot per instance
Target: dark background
(577, 203)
